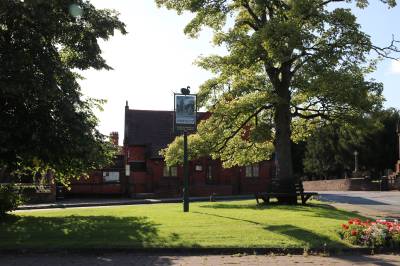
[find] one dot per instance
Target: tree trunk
(284, 165)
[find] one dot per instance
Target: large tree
(46, 122)
(290, 64)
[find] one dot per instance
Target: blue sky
(155, 59)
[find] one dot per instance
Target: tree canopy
(290, 66)
(46, 122)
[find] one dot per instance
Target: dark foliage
(45, 122)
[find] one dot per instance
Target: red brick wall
(251, 185)
(207, 190)
(95, 185)
(351, 184)
(136, 153)
(224, 182)
(96, 188)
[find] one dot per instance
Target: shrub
(10, 198)
(371, 234)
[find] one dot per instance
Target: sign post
(185, 174)
(185, 121)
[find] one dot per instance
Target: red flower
(345, 226)
(353, 232)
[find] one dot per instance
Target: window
(253, 170)
(138, 166)
(170, 171)
(111, 176)
(127, 170)
(209, 173)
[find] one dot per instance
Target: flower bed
(380, 233)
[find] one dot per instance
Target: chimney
(126, 123)
(114, 138)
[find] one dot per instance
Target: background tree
(46, 122)
(289, 65)
(378, 151)
(330, 149)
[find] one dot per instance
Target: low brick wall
(350, 184)
(33, 195)
(95, 189)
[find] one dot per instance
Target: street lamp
(398, 135)
(355, 161)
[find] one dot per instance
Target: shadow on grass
(311, 209)
(235, 206)
(81, 232)
(309, 238)
(322, 211)
(228, 217)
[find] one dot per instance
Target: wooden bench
(265, 196)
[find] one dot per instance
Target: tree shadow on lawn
(311, 209)
(228, 217)
(322, 211)
(309, 238)
(235, 206)
(82, 232)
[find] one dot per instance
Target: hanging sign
(185, 112)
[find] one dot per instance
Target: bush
(10, 198)
(371, 234)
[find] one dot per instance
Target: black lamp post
(398, 135)
(398, 141)
(355, 161)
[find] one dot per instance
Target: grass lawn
(208, 224)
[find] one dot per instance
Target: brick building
(139, 169)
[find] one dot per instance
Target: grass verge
(209, 225)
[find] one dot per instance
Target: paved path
(121, 259)
(369, 203)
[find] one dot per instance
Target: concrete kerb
(204, 251)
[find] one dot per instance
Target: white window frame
(171, 171)
(252, 171)
(111, 177)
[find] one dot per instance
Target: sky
(155, 59)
